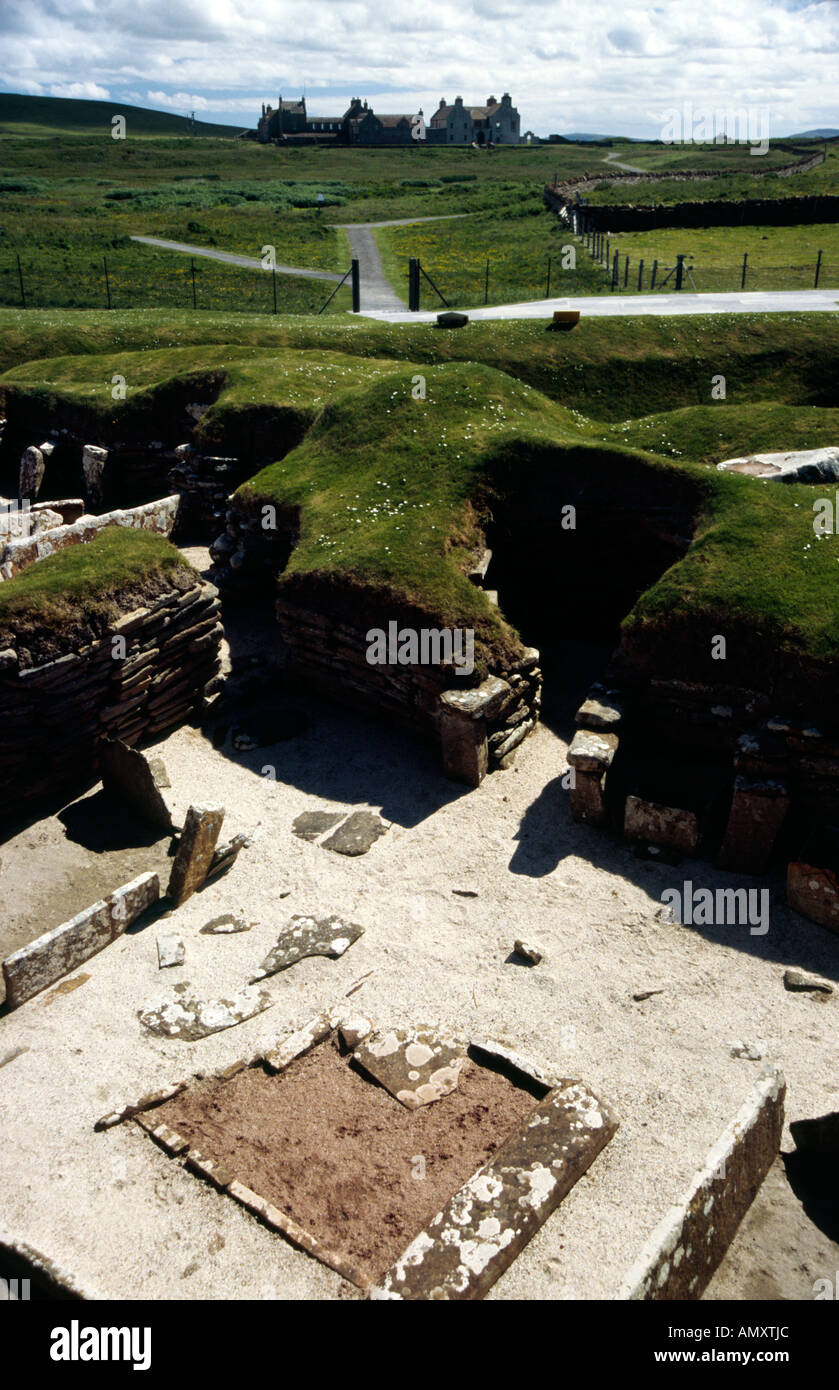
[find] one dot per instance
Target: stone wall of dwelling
(53, 714)
(329, 651)
(746, 785)
(17, 555)
(324, 635)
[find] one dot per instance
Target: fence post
(486, 284)
(680, 271)
(818, 268)
(615, 271)
(548, 286)
(626, 273)
(107, 281)
(640, 276)
(192, 267)
(20, 278)
(743, 276)
(608, 244)
(652, 277)
(274, 286)
(356, 286)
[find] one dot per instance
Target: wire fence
(139, 281)
(645, 275)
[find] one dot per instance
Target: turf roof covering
(392, 491)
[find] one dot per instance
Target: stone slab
(654, 824)
(415, 1065)
(132, 779)
(814, 893)
(192, 1019)
(359, 832)
(195, 851)
(679, 1258)
(758, 810)
(592, 750)
(309, 936)
(310, 825)
(60, 951)
(479, 1233)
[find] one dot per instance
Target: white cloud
(569, 64)
(176, 101)
(88, 91)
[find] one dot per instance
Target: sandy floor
(439, 957)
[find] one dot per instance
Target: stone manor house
(497, 123)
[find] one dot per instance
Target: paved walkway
(631, 306)
(230, 258)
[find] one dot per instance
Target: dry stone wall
(54, 713)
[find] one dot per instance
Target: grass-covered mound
(394, 494)
(68, 599)
(609, 369)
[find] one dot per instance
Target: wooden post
(107, 281)
(652, 277)
(20, 278)
(626, 273)
(486, 284)
(615, 272)
(355, 281)
(743, 276)
(818, 269)
(548, 286)
(640, 276)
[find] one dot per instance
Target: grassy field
(66, 203)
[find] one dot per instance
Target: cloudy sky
(570, 65)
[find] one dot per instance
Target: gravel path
(377, 293)
(231, 258)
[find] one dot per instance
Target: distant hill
(25, 115)
(815, 135)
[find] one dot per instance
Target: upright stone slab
(129, 777)
(758, 809)
(478, 1234)
(56, 953)
(590, 755)
(195, 851)
(93, 467)
(31, 475)
(686, 1247)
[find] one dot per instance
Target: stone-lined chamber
(147, 671)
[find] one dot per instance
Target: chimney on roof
(442, 102)
(491, 101)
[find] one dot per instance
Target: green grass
(778, 257)
(392, 492)
(608, 369)
(517, 241)
(74, 594)
(751, 176)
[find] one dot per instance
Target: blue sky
(569, 64)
